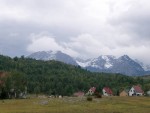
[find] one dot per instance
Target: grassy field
(77, 105)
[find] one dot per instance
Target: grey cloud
(135, 21)
(120, 29)
(15, 36)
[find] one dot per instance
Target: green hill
(53, 77)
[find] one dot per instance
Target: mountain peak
(104, 63)
(125, 57)
(53, 55)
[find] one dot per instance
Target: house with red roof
(91, 91)
(78, 94)
(136, 91)
(107, 91)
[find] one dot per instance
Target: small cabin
(124, 93)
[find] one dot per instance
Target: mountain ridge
(104, 63)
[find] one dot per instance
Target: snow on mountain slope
(104, 63)
(109, 60)
(146, 67)
(111, 64)
(83, 64)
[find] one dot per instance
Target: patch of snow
(94, 60)
(94, 65)
(83, 64)
(105, 57)
(91, 62)
(146, 67)
(51, 55)
(108, 65)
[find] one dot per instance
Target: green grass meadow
(77, 105)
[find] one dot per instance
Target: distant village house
(136, 91)
(124, 93)
(107, 91)
(91, 91)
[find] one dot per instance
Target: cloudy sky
(80, 28)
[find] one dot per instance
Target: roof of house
(138, 89)
(80, 93)
(108, 90)
(93, 89)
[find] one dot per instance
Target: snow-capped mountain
(53, 55)
(104, 63)
(146, 67)
(111, 64)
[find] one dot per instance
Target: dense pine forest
(53, 77)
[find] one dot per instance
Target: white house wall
(104, 93)
(131, 92)
(90, 92)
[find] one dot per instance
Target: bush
(89, 98)
(3, 94)
(98, 95)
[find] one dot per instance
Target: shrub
(89, 98)
(98, 95)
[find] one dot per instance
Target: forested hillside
(52, 77)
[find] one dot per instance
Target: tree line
(53, 77)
